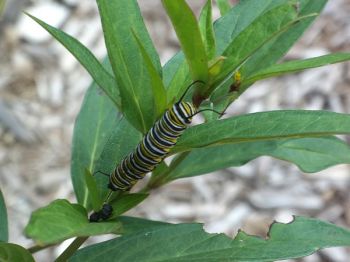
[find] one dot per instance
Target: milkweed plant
(131, 91)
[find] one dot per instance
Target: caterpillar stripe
(153, 148)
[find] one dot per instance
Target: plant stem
(38, 248)
(71, 249)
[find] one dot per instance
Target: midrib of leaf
(308, 150)
(262, 138)
(93, 154)
(133, 91)
(123, 64)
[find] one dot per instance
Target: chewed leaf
(61, 220)
(189, 242)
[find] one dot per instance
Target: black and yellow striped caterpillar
(153, 148)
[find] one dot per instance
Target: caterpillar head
(186, 110)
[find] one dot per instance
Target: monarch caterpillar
(153, 148)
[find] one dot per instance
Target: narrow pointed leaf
(13, 252)
(159, 92)
(297, 65)
(224, 6)
(94, 196)
(188, 33)
(309, 154)
(180, 80)
(264, 126)
(207, 30)
(61, 220)
(101, 76)
(4, 234)
(189, 242)
(119, 18)
(97, 119)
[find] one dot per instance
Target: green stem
(38, 248)
(71, 249)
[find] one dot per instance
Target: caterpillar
(152, 150)
(154, 147)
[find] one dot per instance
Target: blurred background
(42, 87)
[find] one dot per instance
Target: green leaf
(119, 18)
(224, 6)
(240, 17)
(61, 220)
(189, 242)
(13, 252)
(188, 33)
(180, 80)
(131, 225)
(264, 58)
(97, 119)
(172, 67)
(264, 126)
(297, 65)
(4, 234)
(101, 76)
(126, 202)
(176, 71)
(159, 92)
(94, 196)
(263, 29)
(207, 30)
(122, 141)
(309, 154)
